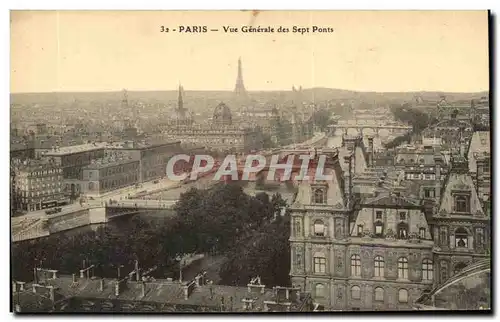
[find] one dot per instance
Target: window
(479, 237)
(459, 267)
(319, 196)
(360, 230)
(319, 228)
(443, 271)
(403, 296)
(402, 231)
(319, 264)
(402, 215)
(429, 193)
(298, 227)
(443, 236)
(421, 233)
(403, 268)
(355, 265)
(461, 238)
(355, 292)
(421, 161)
(379, 227)
(462, 203)
(320, 290)
(379, 294)
(379, 266)
(427, 270)
(378, 215)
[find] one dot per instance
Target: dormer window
(462, 203)
(402, 216)
(360, 230)
(402, 231)
(378, 215)
(319, 196)
(421, 233)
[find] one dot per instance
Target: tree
(266, 254)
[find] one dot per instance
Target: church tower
(239, 89)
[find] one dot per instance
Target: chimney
(14, 286)
(101, 285)
(74, 278)
(143, 289)
(54, 274)
(137, 270)
(117, 288)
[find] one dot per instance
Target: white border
(200, 5)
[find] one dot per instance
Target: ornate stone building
(220, 135)
(460, 226)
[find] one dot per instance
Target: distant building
(38, 185)
(221, 135)
(72, 160)
(113, 171)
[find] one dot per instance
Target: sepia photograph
(250, 161)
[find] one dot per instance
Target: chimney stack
(101, 285)
(143, 289)
(74, 278)
(117, 288)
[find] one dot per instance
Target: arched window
(379, 294)
(355, 265)
(319, 263)
(460, 266)
(427, 270)
(461, 203)
(319, 196)
(421, 161)
(402, 161)
(319, 228)
(355, 293)
(320, 290)
(403, 296)
(379, 266)
(412, 161)
(403, 268)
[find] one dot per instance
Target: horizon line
(253, 91)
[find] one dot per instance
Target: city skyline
(405, 51)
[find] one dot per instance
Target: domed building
(222, 115)
(221, 135)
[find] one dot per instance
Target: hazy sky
(371, 51)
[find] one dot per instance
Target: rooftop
(198, 292)
(76, 149)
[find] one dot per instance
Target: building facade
(112, 172)
(38, 185)
(460, 226)
(72, 160)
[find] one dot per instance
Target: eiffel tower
(239, 89)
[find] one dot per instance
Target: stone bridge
(366, 127)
